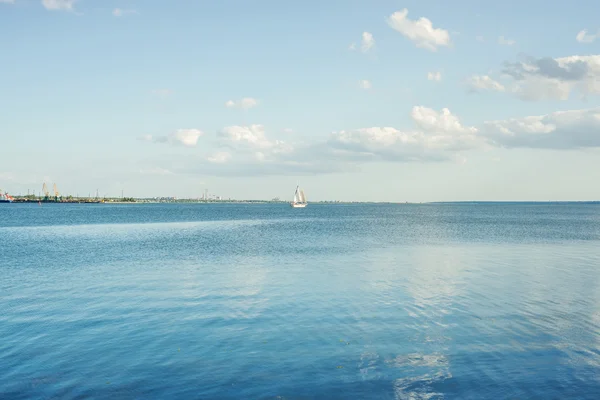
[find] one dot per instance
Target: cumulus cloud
(554, 78)
(420, 31)
(183, 137)
(251, 139)
(365, 84)
(436, 136)
(66, 5)
(439, 135)
(367, 42)
(245, 103)
(584, 37)
(444, 121)
(505, 42)
(247, 151)
(562, 130)
(252, 136)
(564, 69)
(546, 78)
(434, 76)
(187, 137)
(484, 82)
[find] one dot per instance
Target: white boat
(299, 199)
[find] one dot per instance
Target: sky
(370, 100)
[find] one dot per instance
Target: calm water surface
(462, 301)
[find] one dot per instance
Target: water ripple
(370, 302)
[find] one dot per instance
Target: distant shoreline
(189, 201)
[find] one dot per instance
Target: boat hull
(298, 205)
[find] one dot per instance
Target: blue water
(452, 301)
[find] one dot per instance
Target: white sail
(302, 196)
(296, 196)
(299, 198)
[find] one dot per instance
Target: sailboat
(299, 198)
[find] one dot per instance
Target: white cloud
(253, 135)
(219, 157)
(444, 121)
(247, 151)
(251, 139)
(187, 137)
(584, 37)
(250, 145)
(545, 78)
(7, 1)
(484, 82)
(288, 130)
(480, 39)
(420, 31)
(554, 78)
(366, 44)
(236, 149)
(245, 103)
(505, 42)
(365, 84)
(184, 137)
(436, 136)
(560, 130)
(439, 136)
(59, 4)
(248, 102)
(537, 88)
(119, 12)
(434, 76)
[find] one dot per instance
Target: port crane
(47, 192)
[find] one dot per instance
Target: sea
(334, 301)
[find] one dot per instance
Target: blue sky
(354, 100)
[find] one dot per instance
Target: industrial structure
(54, 196)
